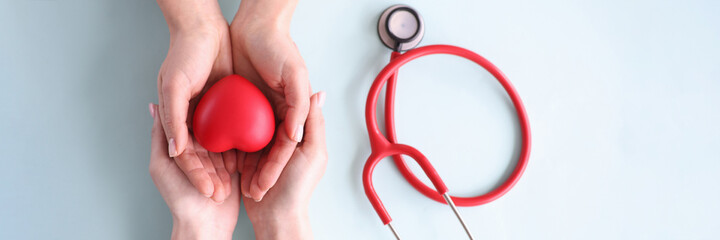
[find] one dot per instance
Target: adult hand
(199, 55)
(283, 213)
(264, 53)
(194, 215)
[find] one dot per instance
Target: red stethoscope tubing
(383, 147)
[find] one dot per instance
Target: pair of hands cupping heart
(218, 136)
(199, 56)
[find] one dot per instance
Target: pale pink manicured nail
(172, 150)
(152, 110)
(298, 133)
(321, 99)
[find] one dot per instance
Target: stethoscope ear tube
(385, 149)
(519, 109)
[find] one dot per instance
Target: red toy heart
(233, 113)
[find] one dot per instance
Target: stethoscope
(401, 28)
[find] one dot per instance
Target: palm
(270, 60)
(261, 61)
(195, 61)
(290, 192)
(184, 201)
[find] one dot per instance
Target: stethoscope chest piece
(400, 28)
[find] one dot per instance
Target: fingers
(219, 191)
(255, 190)
(174, 100)
(296, 89)
(205, 170)
(191, 164)
(270, 170)
(240, 162)
(272, 165)
(248, 171)
(158, 149)
(315, 126)
(223, 173)
(231, 160)
(174, 103)
(235, 195)
(183, 74)
(213, 162)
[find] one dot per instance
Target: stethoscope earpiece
(400, 28)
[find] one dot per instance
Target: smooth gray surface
(622, 96)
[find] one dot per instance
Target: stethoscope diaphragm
(400, 28)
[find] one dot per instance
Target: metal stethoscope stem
(455, 210)
(457, 214)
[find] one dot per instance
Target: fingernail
(321, 99)
(299, 133)
(247, 195)
(208, 191)
(262, 195)
(152, 110)
(172, 150)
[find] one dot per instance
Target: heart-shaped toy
(233, 113)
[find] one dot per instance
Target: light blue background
(622, 96)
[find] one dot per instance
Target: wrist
(288, 225)
(265, 14)
(191, 15)
(199, 230)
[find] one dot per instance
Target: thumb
(315, 126)
(297, 96)
(174, 102)
(182, 75)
